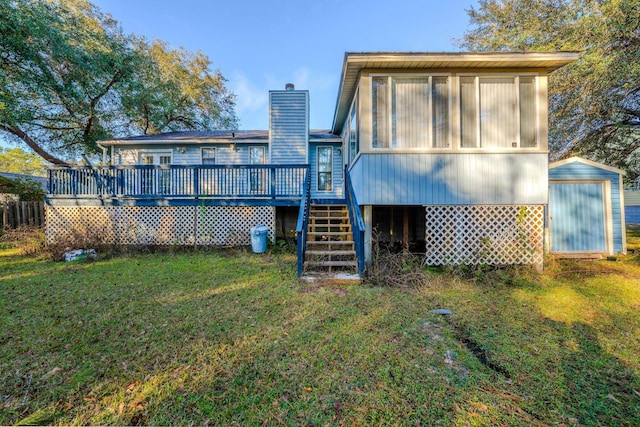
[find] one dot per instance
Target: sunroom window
(410, 112)
(498, 112)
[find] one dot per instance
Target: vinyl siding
(442, 179)
(192, 156)
(336, 172)
(581, 171)
(289, 118)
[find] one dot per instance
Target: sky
(262, 45)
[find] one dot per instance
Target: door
(577, 216)
(257, 177)
(155, 181)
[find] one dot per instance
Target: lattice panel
(493, 235)
(230, 225)
(157, 225)
(79, 224)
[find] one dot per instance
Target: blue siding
(442, 179)
(289, 118)
(582, 171)
(577, 217)
(632, 214)
(337, 173)
(192, 156)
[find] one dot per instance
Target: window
(325, 164)
(354, 144)
(410, 112)
(208, 156)
(256, 176)
(498, 112)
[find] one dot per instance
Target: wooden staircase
(330, 246)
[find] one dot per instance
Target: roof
(212, 136)
(354, 63)
(570, 160)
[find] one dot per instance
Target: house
(632, 206)
(445, 152)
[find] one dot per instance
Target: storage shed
(586, 208)
(632, 207)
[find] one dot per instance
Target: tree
(18, 161)
(595, 102)
(69, 77)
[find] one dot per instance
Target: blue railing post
(273, 182)
(303, 220)
(358, 226)
(196, 182)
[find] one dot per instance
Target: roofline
(111, 142)
(550, 61)
(586, 162)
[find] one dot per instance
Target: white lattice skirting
(157, 225)
(492, 235)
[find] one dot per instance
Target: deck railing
(357, 223)
(177, 181)
(303, 222)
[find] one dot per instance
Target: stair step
(329, 233)
(329, 242)
(329, 226)
(335, 253)
(329, 218)
(331, 263)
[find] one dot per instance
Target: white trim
(623, 219)
(586, 162)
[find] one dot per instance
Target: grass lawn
(232, 338)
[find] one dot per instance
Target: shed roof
(354, 63)
(570, 160)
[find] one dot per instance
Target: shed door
(577, 217)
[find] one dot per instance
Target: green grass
(232, 338)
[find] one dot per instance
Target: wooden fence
(16, 214)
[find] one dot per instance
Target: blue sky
(262, 45)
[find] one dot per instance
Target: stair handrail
(303, 221)
(355, 216)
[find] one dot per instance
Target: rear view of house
(443, 153)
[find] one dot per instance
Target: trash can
(259, 239)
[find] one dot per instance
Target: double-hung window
(410, 112)
(498, 112)
(209, 156)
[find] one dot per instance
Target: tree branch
(15, 130)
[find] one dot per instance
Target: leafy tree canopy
(69, 77)
(15, 160)
(594, 102)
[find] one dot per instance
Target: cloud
(252, 102)
(253, 94)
